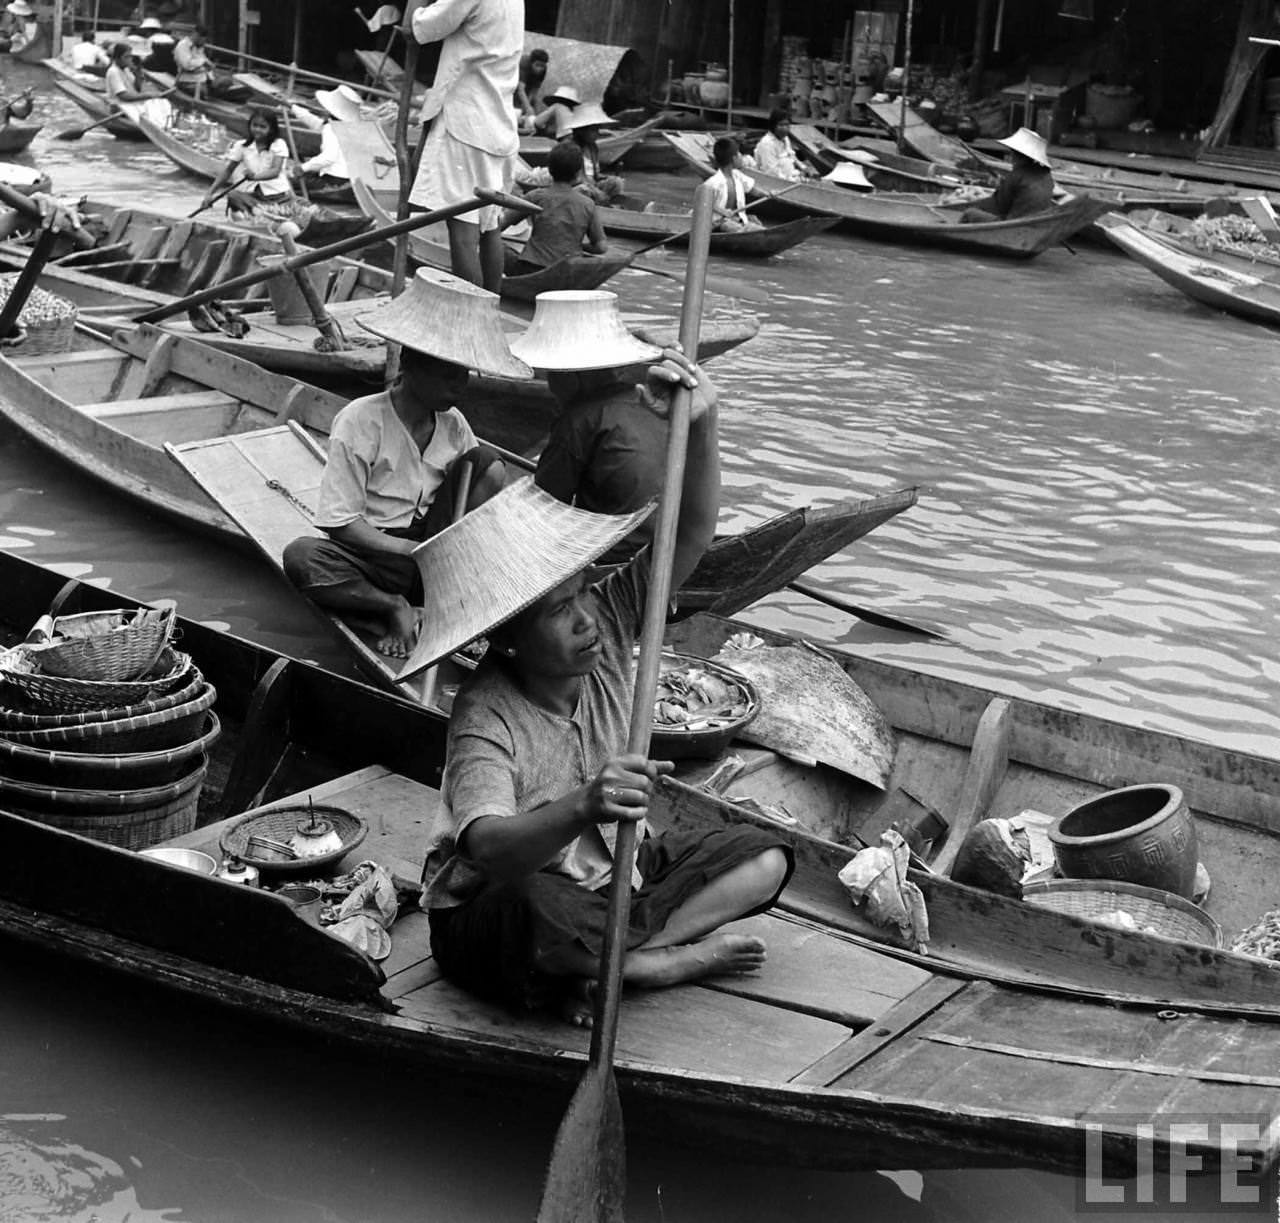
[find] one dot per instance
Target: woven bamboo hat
(343, 103)
(148, 23)
(499, 559)
(579, 329)
(565, 94)
(446, 317)
(847, 174)
(590, 114)
(1029, 144)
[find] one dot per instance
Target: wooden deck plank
(687, 1028)
(424, 972)
(811, 970)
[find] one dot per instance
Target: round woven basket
(14, 720)
(59, 694)
(172, 726)
(669, 742)
(111, 645)
(279, 824)
(133, 819)
(46, 323)
(105, 770)
(1167, 914)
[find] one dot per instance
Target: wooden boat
(36, 50)
(89, 93)
(885, 168)
(152, 259)
(914, 219)
(612, 145)
(575, 272)
(845, 1051)
(1219, 281)
(14, 137)
(629, 219)
(204, 154)
(239, 474)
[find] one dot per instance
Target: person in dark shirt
(568, 223)
(1027, 188)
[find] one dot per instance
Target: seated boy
(568, 223)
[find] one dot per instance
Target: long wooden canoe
(886, 169)
(613, 145)
(1218, 281)
(14, 137)
(89, 93)
(1025, 1038)
(907, 218)
(205, 159)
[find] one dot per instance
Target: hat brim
(338, 107)
(501, 558)
(401, 322)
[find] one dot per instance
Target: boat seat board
(660, 1027)
(159, 404)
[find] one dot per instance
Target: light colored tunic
(375, 470)
(193, 62)
(330, 160)
(257, 161)
(776, 156)
(729, 190)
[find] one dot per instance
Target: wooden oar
(862, 613)
(293, 151)
(213, 199)
(323, 321)
(343, 247)
(24, 204)
(587, 1177)
(74, 133)
(726, 285)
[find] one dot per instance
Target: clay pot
(1142, 834)
(715, 93)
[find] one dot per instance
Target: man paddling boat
(1027, 188)
(397, 459)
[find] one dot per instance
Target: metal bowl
(188, 859)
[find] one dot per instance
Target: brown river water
(1097, 529)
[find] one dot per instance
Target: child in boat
(396, 461)
(568, 223)
(260, 161)
(1027, 188)
(583, 128)
(730, 186)
(538, 780)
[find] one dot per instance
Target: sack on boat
(877, 883)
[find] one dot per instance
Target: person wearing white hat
(538, 779)
(472, 141)
(329, 165)
(159, 54)
(396, 459)
(583, 128)
(1026, 189)
(607, 448)
(18, 27)
(558, 107)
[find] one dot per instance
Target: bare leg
(358, 599)
(464, 249)
(493, 255)
(734, 893)
(487, 483)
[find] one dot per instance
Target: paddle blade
(71, 133)
(587, 1177)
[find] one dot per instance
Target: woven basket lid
(501, 557)
(589, 114)
(579, 329)
(342, 103)
(444, 316)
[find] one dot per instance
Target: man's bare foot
(578, 1005)
(717, 955)
(402, 631)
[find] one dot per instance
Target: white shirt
(720, 188)
(775, 156)
(330, 160)
(193, 62)
(255, 161)
(478, 72)
(375, 470)
(88, 55)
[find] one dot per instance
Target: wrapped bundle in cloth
(46, 323)
(363, 917)
(877, 883)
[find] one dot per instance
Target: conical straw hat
(846, 175)
(590, 114)
(579, 329)
(1029, 144)
(343, 103)
(565, 94)
(500, 558)
(450, 318)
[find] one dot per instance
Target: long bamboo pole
(304, 72)
(906, 79)
(728, 118)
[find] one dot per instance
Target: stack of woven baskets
(104, 727)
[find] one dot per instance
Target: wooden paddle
(24, 204)
(726, 285)
(74, 133)
(320, 317)
(343, 247)
(587, 1177)
(862, 613)
(293, 151)
(213, 199)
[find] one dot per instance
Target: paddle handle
(605, 1032)
(26, 282)
(293, 149)
(345, 246)
(319, 315)
(29, 208)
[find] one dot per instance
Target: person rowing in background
(329, 165)
(730, 186)
(1026, 189)
(568, 223)
(538, 777)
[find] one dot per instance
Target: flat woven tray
(279, 824)
(1152, 910)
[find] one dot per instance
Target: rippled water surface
(1097, 528)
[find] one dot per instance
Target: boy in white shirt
(730, 186)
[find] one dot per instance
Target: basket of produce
(293, 839)
(60, 694)
(46, 323)
(699, 707)
(1127, 906)
(110, 645)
